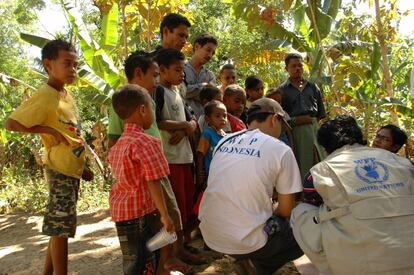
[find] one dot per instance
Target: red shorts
(182, 183)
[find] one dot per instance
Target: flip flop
(178, 267)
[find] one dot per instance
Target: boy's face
(147, 113)
(173, 74)
(176, 38)
(149, 80)
(383, 139)
(218, 118)
(63, 68)
(256, 92)
(235, 103)
(295, 68)
(205, 53)
(228, 77)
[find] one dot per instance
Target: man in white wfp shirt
(236, 211)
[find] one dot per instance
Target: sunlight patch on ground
(10, 249)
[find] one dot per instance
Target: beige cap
(267, 106)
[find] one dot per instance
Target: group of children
(163, 128)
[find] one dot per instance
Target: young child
(142, 70)
(196, 75)
(235, 99)
(51, 112)
(227, 76)
(286, 134)
(254, 89)
(216, 118)
(176, 126)
(207, 94)
(138, 165)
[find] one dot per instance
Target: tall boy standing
(173, 118)
(51, 112)
(196, 75)
(138, 165)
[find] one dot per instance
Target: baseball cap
(268, 106)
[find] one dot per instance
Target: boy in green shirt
(142, 70)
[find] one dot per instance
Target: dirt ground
(94, 250)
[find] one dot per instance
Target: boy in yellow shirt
(51, 112)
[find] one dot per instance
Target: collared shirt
(305, 102)
(136, 159)
(194, 80)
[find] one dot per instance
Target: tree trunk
(386, 80)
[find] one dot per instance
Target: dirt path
(94, 250)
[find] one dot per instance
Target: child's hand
(191, 127)
(176, 137)
(87, 174)
(168, 223)
(57, 137)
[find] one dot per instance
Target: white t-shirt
(173, 109)
(237, 201)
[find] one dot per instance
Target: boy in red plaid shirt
(138, 164)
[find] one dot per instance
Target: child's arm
(13, 125)
(158, 198)
(200, 170)
(290, 138)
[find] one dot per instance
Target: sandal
(192, 249)
(178, 267)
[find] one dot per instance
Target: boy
(142, 70)
(254, 89)
(286, 135)
(227, 76)
(235, 99)
(207, 94)
(138, 165)
(176, 126)
(51, 112)
(196, 75)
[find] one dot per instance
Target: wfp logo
(371, 171)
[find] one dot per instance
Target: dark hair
(292, 56)
(274, 91)
(205, 38)
(233, 89)
(227, 66)
(138, 59)
(211, 105)
(127, 99)
(340, 131)
(208, 92)
(51, 49)
(172, 21)
(168, 56)
(260, 117)
(251, 82)
(399, 137)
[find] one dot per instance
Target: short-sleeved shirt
(194, 82)
(208, 141)
(235, 123)
(246, 166)
(173, 108)
(116, 126)
(136, 159)
(306, 102)
(47, 107)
